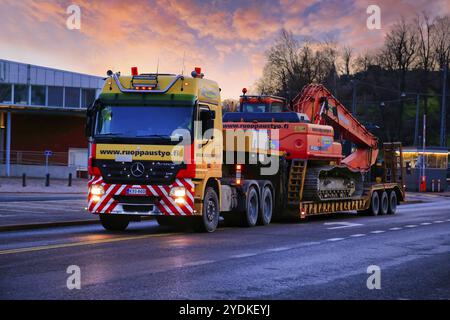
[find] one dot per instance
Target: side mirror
(213, 114)
(90, 116)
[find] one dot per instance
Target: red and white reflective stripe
(166, 204)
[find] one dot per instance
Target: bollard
(70, 180)
(432, 185)
(439, 185)
(24, 180)
(47, 180)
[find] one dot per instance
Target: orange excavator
(307, 131)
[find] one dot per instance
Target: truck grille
(153, 172)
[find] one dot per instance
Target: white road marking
(395, 228)
(244, 255)
(358, 235)
(196, 263)
(279, 249)
(448, 220)
(377, 231)
(411, 226)
(335, 239)
(341, 225)
(438, 221)
(425, 223)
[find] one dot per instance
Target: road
(323, 258)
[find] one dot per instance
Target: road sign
(48, 153)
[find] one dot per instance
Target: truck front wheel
(113, 222)
(211, 211)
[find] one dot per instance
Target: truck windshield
(143, 121)
(254, 107)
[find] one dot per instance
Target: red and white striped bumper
(165, 204)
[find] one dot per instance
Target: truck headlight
(178, 192)
(97, 190)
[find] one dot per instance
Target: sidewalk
(37, 185)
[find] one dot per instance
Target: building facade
(42, 117)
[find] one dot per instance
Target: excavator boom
(323, 108)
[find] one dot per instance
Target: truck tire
(374, 208)
(384, 203)
(266, 207)
(114, 222)
(392, 202)
(211, 211)
(252, 208)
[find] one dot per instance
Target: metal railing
(35, 158)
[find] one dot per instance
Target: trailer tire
(392, 202)
(384, 203)
(252, 208)
(266, 207)
(113, 222)
(374, 208)
(209, 220)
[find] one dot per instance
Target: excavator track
(326, 183)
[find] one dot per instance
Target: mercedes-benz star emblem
(137, 169)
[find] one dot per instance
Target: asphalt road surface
(323, 258)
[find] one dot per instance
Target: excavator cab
(261, 103)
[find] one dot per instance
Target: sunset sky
(227, 39)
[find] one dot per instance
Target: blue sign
(48, 153)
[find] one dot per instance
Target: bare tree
(425, 54)
(399, 53)
(363, 61)
(291, 64)
(347, 57)
(441, 41)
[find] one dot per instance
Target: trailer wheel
(384, 203)
(374, 208)
(251, 212)
(392, 202)
(210, 216)
(113, 222)
(266, 207)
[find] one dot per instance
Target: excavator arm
(323, 108)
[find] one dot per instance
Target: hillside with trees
(383, 84)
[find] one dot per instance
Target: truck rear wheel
(392, 202)
(266, 207)
(374, 208)
(384, 203)
(252, 210)
(211, 210)
(114, 222)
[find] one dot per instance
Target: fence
(35, 158)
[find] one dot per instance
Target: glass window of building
(38, 95)
(5, 93)
(55, 96)
(20, 94)
(72, 97)
(87, 97)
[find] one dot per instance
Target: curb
(30, 226)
